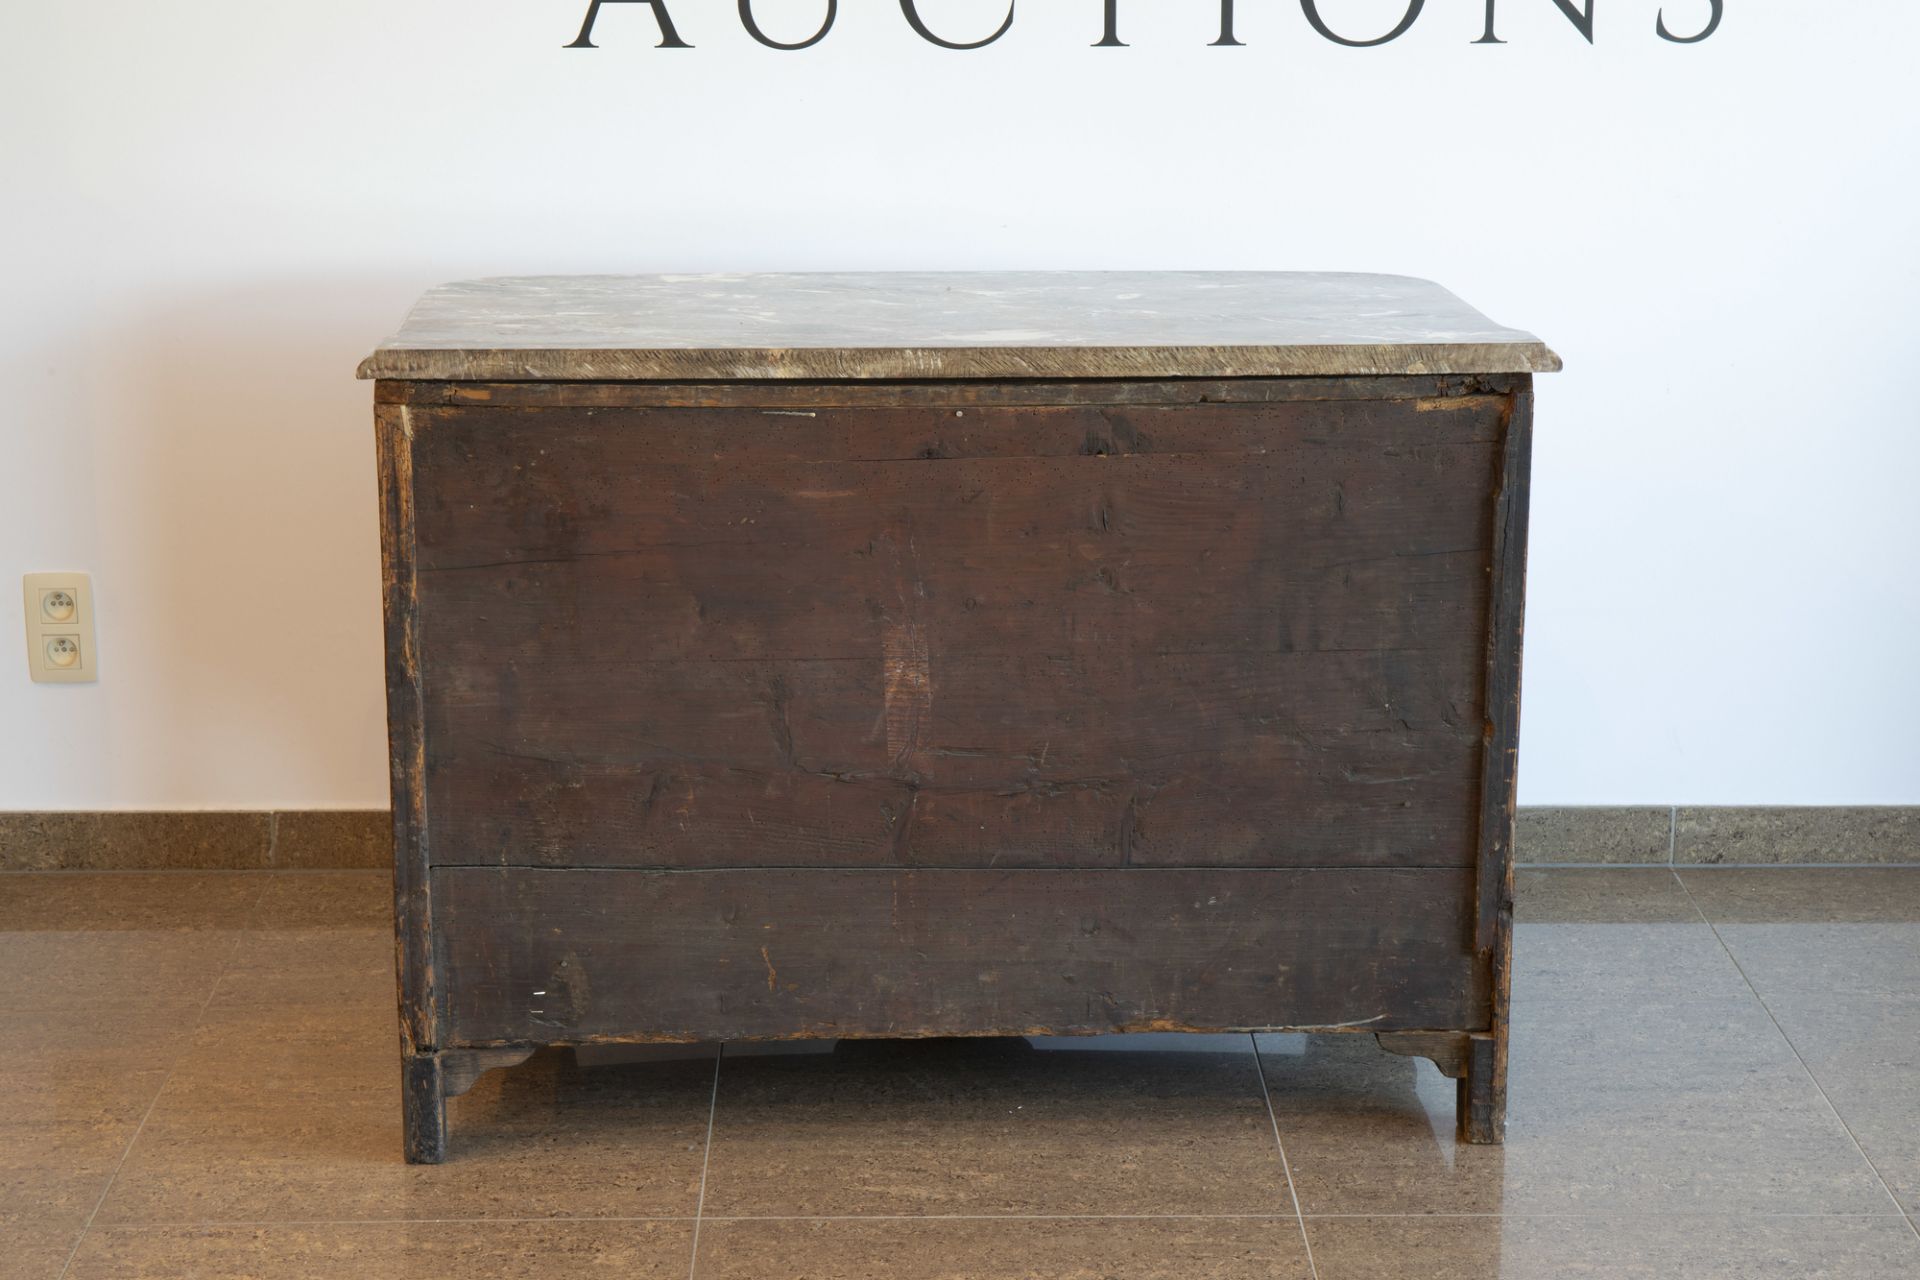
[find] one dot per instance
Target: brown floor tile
(387, 1251)
(1003, 1249)
(326, 900)
(326, 967)
(1810, 934)
(1137, 1125)
(1592, 895)
(132, 940)
(74, 1085)
(1834, 954)
(109, 971)
(85, 1064)
(1638, 1248)
(329, 838)
(54, 1174)
(1644, 1078)
(34, 1248)
(324, 937)
(139, 901)
(1806, 895)
(293, 1114)
(1865, 1052)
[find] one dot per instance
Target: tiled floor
(1716, 1073)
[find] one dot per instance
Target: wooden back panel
(956, 634)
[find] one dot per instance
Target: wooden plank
(978, 720)
(662, 648)
(1506, 619)
(1309, 800)
(580, 956)
(1308, 541)
(423, 1107)
(406, 739)
(814, 395)
(1483, 1094)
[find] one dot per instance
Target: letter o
(1312, 9)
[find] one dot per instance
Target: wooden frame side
(406, 738)
(1493, 917)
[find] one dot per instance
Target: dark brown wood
(1254, 640)
(911, 709)
(591, 955)
(1505, 625)
(1475, 1060)
(423, 1108)
(1480, 1106)
(461, 1069)
(1483, 1095)
(406, 742)
(1449, 1050)
(584, 395)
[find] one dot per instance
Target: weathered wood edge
(1448, 1050)
(813, 395)
(1506, 608)
(524, 1048)
(1483, 1092)
(762, 364)
(1480, 1095)
(461, 1069)
(423, 1108)
(412, 914)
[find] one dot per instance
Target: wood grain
(842, 709)
(1037, 392)
(406, 737)
(583, 955)
(1222, 634)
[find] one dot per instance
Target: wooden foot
(423, 1102)
(1473, 1059)
(1482, 1094)
(429, 1079)
(460, 1068)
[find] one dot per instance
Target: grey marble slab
(1083, 324)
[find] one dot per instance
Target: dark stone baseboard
(1719, 835)
(224, 840)
(317, 839)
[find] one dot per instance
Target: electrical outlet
(59, 609)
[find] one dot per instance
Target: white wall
(211, 209)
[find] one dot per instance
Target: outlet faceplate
(59, 609)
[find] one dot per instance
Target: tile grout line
(706, 1159)
(1795, 1050)
(1266, 1095)
(213, 989)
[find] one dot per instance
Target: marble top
(896, 325)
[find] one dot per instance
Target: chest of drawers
(951, 654)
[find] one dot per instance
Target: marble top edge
(948, 325)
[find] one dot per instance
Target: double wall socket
(59, 609)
